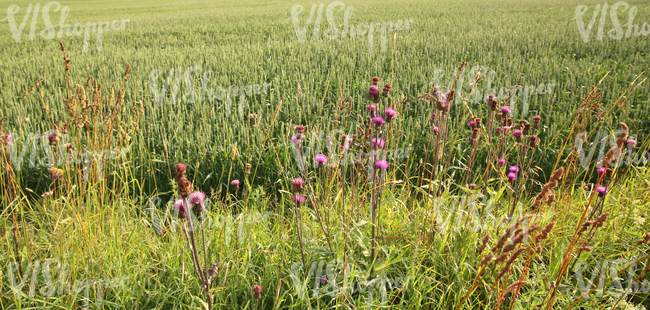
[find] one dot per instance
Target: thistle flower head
(52, 139)
(378, 142)
(490, 98)
(9, 138)
(372, 109)
(517, 135)
(389, 113)
(197, 199)
(472, 186)
(498, 131)
(295, 140)
(631, 144)
(373, 91)
(512, 176)
(375, 81)
(378, 120)
(435, 130)
(533, 141)
(602, 191)
(235, 183)
(257, 292)
(381, 164)
(536, 121)
(297, 184)
(505, 110)
(433, 117)
(300, 129)
(320, 159)
(514, 169)
(298, 199)
(601, 170)
(387, 89)
(180, 208)
(502, 161)
(471, 124)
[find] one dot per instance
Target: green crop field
(240, 155)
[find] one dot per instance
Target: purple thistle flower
(298, 199)
(197, 198)
(514, 169)
(536, 121)
(373, 93)
(631, 144)
(472, 186)
(489, 98)
(297, 184)
(378, 120)
(436, 130)
(502, 161)
(601, 170)
(235, 183)
(180, 208)
(11, 138)
(257, 292)
(471, 124)
(602, 191)
(321, 159)
(389, 113)
(387, 89)
(381, 164)
(505, 110)
(517, 135)
(378, 142)
(498, 131)
(373, 90)
(295, 140)
(512, 176)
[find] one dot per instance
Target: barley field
(324, 155)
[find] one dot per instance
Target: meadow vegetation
(208, 158)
